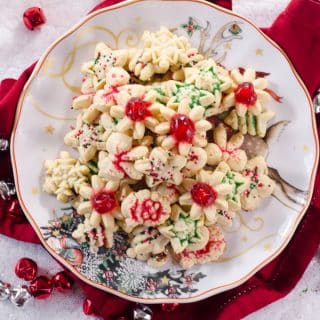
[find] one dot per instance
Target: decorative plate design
(291, 144)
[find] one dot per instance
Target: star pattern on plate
(259, 52)
(267, 247)
(227, 45)
(244, 238)
(49, 129)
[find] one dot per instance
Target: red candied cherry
(182, 128)
(137, 109)
(245, 94)
(203, 194)
(103, 201)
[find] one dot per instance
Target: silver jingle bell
(142, 312)
(4, 291)
(19, 296)
(7, 189)
(316, 102)
(4, 144)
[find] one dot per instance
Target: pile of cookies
(159, 135)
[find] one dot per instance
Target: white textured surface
(19, 48)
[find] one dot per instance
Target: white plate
(43, 118)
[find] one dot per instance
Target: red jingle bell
(87, 307)
(14, 211)
(33, 18)
(169, 307)
(26, 269)
(62, 282)
(41, 287)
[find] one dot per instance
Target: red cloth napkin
(297, 31)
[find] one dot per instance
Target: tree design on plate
(112, 267)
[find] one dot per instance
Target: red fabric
(297, 31)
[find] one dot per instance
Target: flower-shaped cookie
(207, 194)
(146, 208)
(249, 123)
(119, 163)
(134, 110)
(95, 235)
(64, 176)
(260, 187)
(207, 75)
(104, 98)
(86, 233)
(162, 51)
(248, 95)
(187, 95)
(183, 129)
(196, 160)
(211, 252)
(226, 150)
(104, 59)
(90, 138)
(146, 244)
(238, 182)
(161, 166)
(184, 232)
(99, 203)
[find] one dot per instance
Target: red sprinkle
(203, 194)
(193, 157)
(119, 158)
(245, 94)
(110, 95)
(210, 245)
(148, 210)
(133, 211)
(182, 128)
(137, 109)
(103, 201)
(151, 210)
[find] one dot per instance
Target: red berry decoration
(169, 307)
(245, 94)
(182, 128)
(203, 194)
(26, 269)
(41, 287)
(33, 18)
(103, 201)
(62, 282)
(87, 307)
(137, 109)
